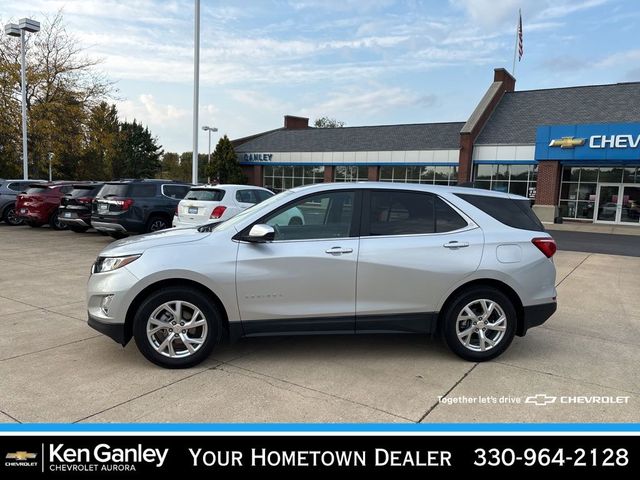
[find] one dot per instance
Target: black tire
(154, 301)
(10, 217)
(117, 235)
(451, 327)
(78, 229)
(55, 223)
(156, 223)
(33, 224)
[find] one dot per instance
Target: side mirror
(261, 233)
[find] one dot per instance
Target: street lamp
(50, 159)
(209, 129)
(20, 30)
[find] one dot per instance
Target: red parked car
(39, 204)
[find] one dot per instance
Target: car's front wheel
(177, 327)
(479, 324)
(55, 223)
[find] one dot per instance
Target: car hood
(140, 243)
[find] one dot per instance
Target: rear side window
(205, 195)
(514, 213)
(263, 195)
(250, 196)
(16, 187)
(401, 213)
(175, 191)
(114, 190)
(447, 219)
(141, 190)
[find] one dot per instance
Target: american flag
(520, 47)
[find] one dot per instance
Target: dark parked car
(39, 204)
(75, 206)
(136, 206)
(9, 189)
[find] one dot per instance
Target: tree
(137, 154)
(224, 166)
(62, 87)
(327, 122)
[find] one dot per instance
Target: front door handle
(338, 250)
(455, 244)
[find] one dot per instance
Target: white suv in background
(216, 203)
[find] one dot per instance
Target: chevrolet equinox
(473, 266)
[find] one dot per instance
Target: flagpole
(515, 46)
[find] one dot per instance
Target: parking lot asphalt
(54, 368)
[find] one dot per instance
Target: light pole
(209, 129)
(196, 86)
(50, 158)
(25, 25)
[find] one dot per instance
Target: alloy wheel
(481, 325)
(177, 329)
(158, 224)
(12, 217)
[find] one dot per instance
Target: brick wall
(548, 182)
(253, 173)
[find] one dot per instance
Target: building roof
(517, 115)
(419, 136)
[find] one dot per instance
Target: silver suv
(472, 265)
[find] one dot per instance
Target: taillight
(125, 203)
(546, 245)
(218, 212)
(177, 210)
(85, 200)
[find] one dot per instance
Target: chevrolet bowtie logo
(540, 399)
(21, 456)
(567, 142)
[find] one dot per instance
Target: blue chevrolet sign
(598, 142)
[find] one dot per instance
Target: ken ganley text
(262, 457)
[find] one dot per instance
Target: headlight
(107, 264)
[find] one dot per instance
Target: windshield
(254, 209)
(207, 195)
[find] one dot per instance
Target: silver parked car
(9, 189)
(472, 265)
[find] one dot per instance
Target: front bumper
(115, 331)
(535, 315)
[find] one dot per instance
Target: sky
(365, 62)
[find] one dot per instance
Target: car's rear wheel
(479, 324)
(11, 217)
(156, 223)
(177, 327)
(55, 223)
(78, 229)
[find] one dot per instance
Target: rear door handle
(455, 244)
(338, 250)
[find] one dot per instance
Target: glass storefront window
(571, 175)
(518, 179)
(613, 175)
(281, 177)
(441, 175)
(628, 175)
(351, 173)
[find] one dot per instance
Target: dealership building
(574, 151)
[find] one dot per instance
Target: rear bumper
(75, 221)
(108, 227)
(535, 315)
